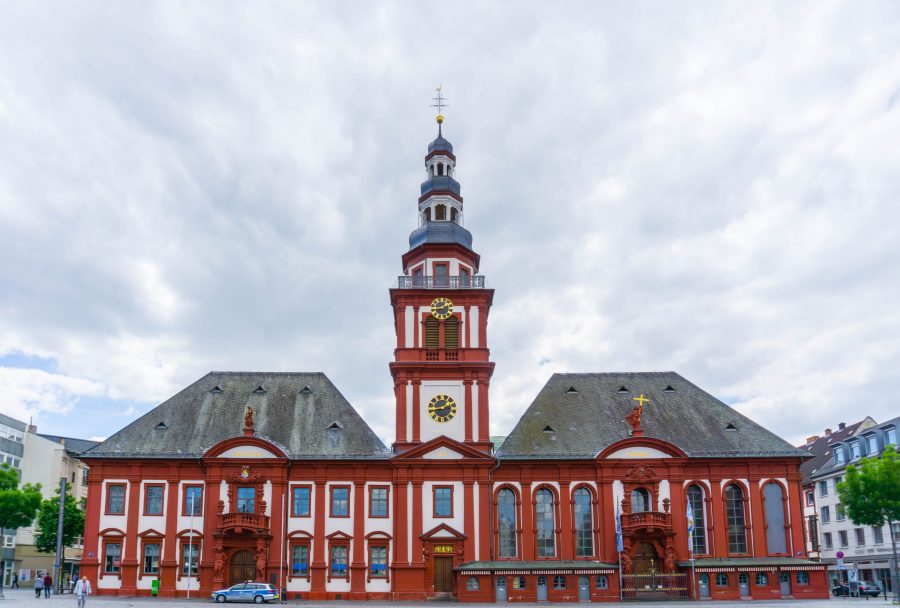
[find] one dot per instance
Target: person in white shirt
(82, 590)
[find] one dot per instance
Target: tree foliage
(871, 492)
(48, 520)
(18, 506)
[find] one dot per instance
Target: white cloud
(31, 392)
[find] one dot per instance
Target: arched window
(432, 333)
(584, 523)
(451, 332)
(506, 522)
(440, 212)
(546, 523)
(440, 168)
(454, 215)
(802, 578)
(776, 539)
(640, 500)
(472, 584)
(736, 519)
(428, 214)
(695, 500)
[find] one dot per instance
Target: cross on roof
(641, 400)
(439, 100)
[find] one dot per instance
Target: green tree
(18, 506)
(48, 520)
(871, 496)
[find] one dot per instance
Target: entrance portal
(443, 575)
(243, 567)
(645, 559)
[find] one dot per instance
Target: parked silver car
(246, 592)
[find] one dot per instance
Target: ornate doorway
(443, 574)
(646, 560)
(243, 567)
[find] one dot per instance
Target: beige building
(46, 459)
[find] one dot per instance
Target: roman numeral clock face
(441, 308)
(442, 408)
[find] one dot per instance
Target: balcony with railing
(240, 522)
(646, 522)
(432, 282)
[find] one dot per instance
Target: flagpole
(190, 548)
(693, 573)
(619, 547)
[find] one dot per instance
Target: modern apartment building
(866, 549)
(12, 449)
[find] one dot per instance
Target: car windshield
(238, 587)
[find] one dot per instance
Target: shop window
(378, 561)
(112, 558)
(299, 560)
(721, 579)
(115, 499)
(300, 501)
(472, 584)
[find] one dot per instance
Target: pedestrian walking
(15, 583)
(82, 590)
(48, 585)
(38, 586)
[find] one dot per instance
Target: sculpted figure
(634, 418)
(260, 563)
(626, 563)
(248, 418)
(670, 559)
(219, 563)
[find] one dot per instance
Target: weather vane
(439, 104)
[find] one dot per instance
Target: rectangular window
(871, 444)
(825, 514)
(378, 561)
(518, 582)
(112, 555)
(854, 449)
(839, 512)
(464, 280)
(559, 582)
(151, 558)
(153, 500)
(193, 500)
(300, 560)
(300, 501)
(443, 501)
(823, 488)
(890, 436)
(877, 535)
(810, 499)
(378, 502)
(246, 499)
(190, 553)
(837, 480)
(115, 499)
(339, 561)
(340, 501)
(441, 274)
(418, 279)
(829, 542)
(84, 476)
(842, 536)
(860, 536)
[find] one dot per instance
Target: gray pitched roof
(821, 453)
(591, 418)
(292, 410)
(73, 445)
(829, 466)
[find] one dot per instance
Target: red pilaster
(469, 519)
(465, 328)
(527, 522)
(401, 517)
(318, 566)
(484, 521)
(718, 514)
(679, 518)
(130, 557)
(484, 430)
(358, 565)
(416, 411)
(168, 567)
(796, 524)
(469, 406)
(606, 514)
(93, 509)
(400, 394)
(279, 505)
(757, 522)
(417, 558)
(566, 529)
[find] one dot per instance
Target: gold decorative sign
(443, 548)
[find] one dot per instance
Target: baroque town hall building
(274, 477)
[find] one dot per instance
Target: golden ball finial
(439, 118)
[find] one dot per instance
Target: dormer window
(871, 444)
(854, 450)
(838, 454)
(890, 435)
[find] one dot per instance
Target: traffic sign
(840, 554)
(840, 563)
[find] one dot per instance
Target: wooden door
(243, 567)
(443, 574)
(645, 559)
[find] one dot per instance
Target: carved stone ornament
(641, 473)
(248, 421)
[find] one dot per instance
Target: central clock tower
(441, 365)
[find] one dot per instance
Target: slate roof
(829, 466)
(285, 413)
(73, 446)
(587, 421)
(821, 453)
(441, 144)
(440, 232)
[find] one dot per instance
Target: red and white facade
(433, 517)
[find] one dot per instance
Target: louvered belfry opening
(451, 333)
(432, 333)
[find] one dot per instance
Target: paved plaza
(24, 598)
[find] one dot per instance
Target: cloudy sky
(705, 187)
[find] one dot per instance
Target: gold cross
(640, 399)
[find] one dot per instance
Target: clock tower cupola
(441, 366)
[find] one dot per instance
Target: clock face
(442, 308)
(442, 408)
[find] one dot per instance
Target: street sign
(840, 554)
(840, 563)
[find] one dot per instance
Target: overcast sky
(710, 188)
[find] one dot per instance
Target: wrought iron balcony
(454, 282)
(646, 521)
(243, 521)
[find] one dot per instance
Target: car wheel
(258, 599)
(220, 598)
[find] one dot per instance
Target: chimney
(827, 432)
(32, 428)
(812, 438)
(841, 426)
